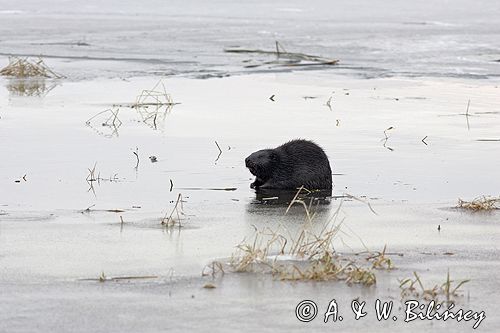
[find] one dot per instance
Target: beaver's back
(302, 163)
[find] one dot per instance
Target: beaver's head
(262, 163)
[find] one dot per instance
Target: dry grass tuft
(380, 261)
(256, 252)
(174, 220)
(157, 96)
(414, 288)
(327, 268)
(154, 105)
(480, 204)
(310, 252)
(25, 67)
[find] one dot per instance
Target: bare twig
(136, 153)
(220, 151)
(329, 103)
(467, 115)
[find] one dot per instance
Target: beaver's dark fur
(292, 165)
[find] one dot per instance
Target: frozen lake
(410, 120)
(396, 38)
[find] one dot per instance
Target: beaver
(292, 165)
